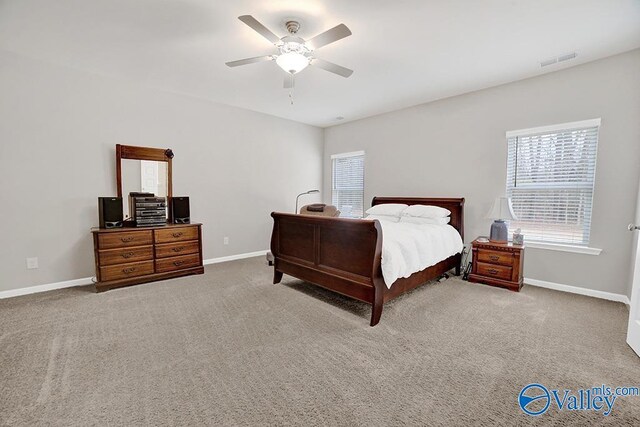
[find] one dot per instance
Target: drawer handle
(178, 263)
(126, 239)
(493, 271)
(177, 234)
(128, 270)
(494, 257)
(127, 255)
(178, 249)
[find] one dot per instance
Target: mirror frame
(145, 153)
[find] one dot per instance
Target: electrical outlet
(226, 240)
(32, 263)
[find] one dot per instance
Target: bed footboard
(339, 254)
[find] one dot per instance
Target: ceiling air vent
(556, 59)
(548, 62)
(566, 57)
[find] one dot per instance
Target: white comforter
(408, 248)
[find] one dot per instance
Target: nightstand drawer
(492, 270)
(495, 257)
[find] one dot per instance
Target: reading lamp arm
(302, 194)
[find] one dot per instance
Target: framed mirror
(143, 169)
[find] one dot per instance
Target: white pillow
(419, 220)
(390, 218)
(426, 211)
(393, 209)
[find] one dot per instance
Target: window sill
(563, 248)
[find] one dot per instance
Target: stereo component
(148, 210)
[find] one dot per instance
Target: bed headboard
(455, 205)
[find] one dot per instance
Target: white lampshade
(502, 209)
(292, 62)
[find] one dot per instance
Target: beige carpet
(230, 348)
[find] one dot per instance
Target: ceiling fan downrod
(292, 26)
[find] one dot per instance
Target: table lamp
(500, 212)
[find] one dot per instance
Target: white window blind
(550, 179)
(348, 184)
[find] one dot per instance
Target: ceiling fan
(294, 52)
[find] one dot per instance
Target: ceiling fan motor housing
(293, 44)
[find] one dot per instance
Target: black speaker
(110, 212)
(180, 210)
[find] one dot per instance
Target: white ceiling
(404, 52)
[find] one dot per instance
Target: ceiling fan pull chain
(292, 88)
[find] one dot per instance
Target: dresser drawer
(178, 234)
(123, 271)
(492, 270)
(124, 255)
(495, 257)
(180, 248)
(124, 239)
(177, 263)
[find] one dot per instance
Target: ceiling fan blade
(289, 82)
(249, 60)
(334, 34)
(331, 67)
(258, 27)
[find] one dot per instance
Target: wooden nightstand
(497, 264)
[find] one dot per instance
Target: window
(348, 184)
(550, 178)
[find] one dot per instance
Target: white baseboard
(46, 287)
(235, 257)
(576, 290)
(88, 280)
(533, 282)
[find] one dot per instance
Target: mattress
(408, 248)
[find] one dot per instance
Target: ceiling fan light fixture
(292, 62)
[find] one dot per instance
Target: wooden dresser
(497, 264)
(129, 256)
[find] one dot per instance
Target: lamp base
(499, 232)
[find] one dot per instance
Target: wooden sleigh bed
(344, 255)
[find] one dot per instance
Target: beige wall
(58, 130)
(456, 147)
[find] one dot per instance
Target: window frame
(338, 156)
(582, 247)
